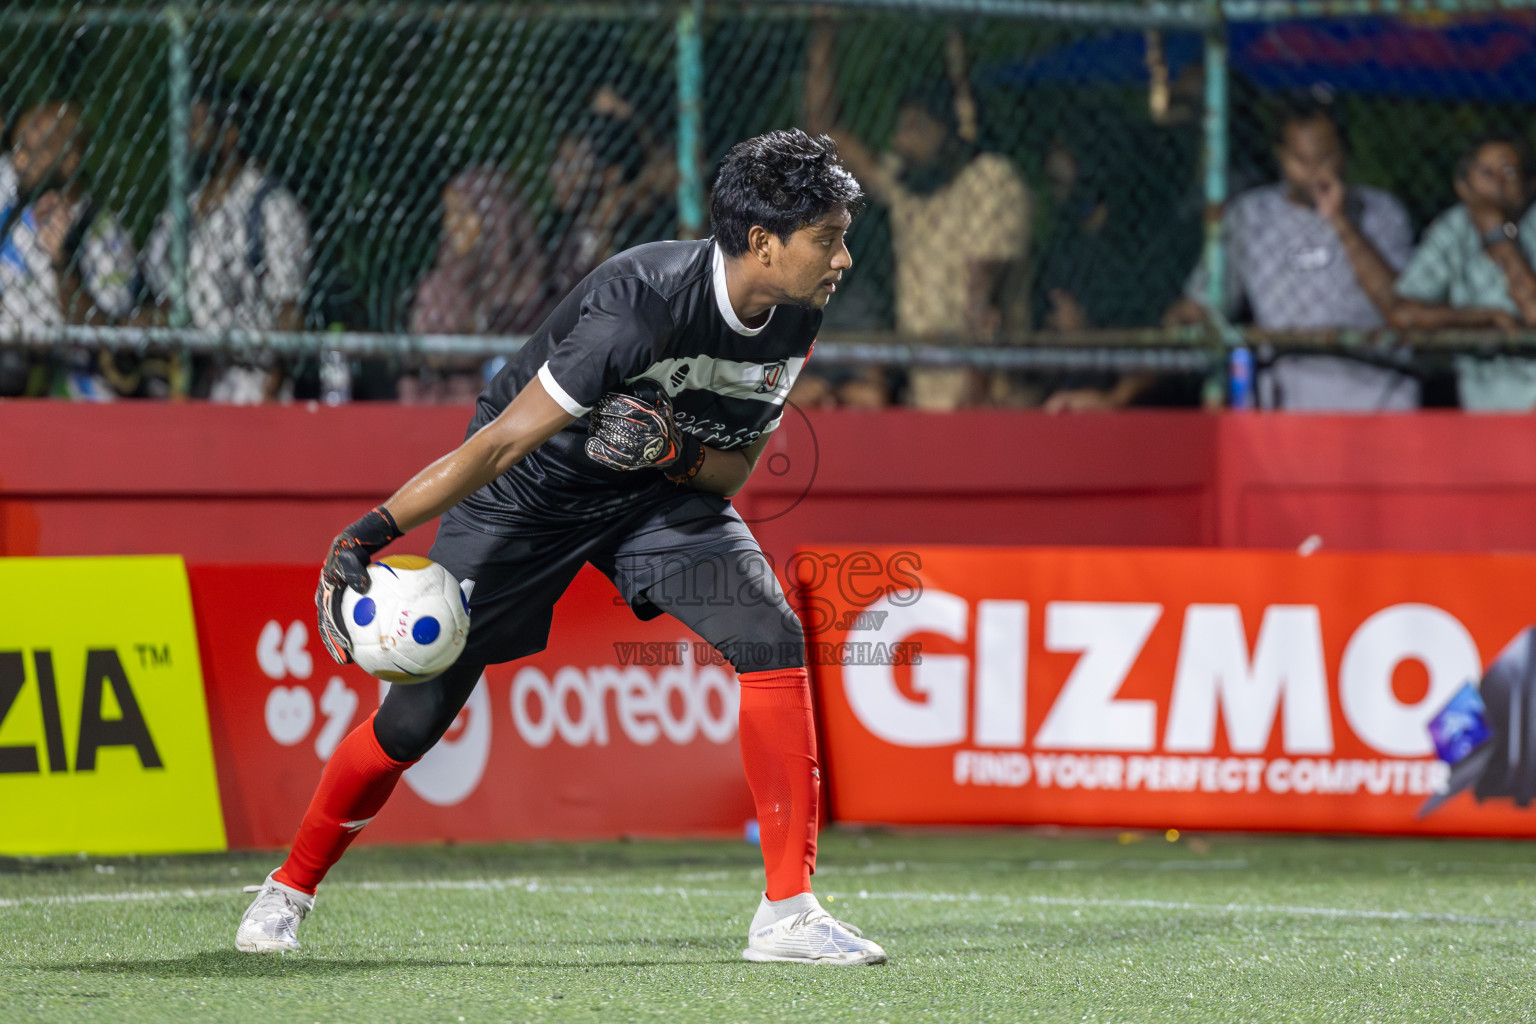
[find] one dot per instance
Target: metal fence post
(177, 124)
(178, 168)
(1217, 126)
(690, 119)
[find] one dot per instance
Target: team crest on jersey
(773, 374)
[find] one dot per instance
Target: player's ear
(760, 244)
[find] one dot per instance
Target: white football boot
(799, 931)
(271, 922)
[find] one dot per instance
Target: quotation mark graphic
(282, 653)
(290, 710)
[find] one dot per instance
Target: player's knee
(414, 717)
(407, 737)
(775, 640)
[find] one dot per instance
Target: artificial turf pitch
(989, 926)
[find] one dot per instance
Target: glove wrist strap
(376, 529)
(689, 461)
(395, 533)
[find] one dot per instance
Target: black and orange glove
(637, 431)
(347, 566)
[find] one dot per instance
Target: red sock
(358, 779)
(778, 749)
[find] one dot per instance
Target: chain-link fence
(221, 195)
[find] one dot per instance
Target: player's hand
(637, 431)
(347, 566)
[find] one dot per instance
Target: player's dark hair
(780, 181)
(1469, 156)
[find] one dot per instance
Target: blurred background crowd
(1033, 185)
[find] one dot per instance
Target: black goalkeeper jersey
(658, 311)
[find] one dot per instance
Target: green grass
(995, 926)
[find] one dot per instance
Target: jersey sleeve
(623, 329)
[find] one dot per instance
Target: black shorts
(519, 571)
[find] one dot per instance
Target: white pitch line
(535, 886)
(1243, 908)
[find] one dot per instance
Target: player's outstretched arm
(532, 418)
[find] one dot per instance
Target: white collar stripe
(723, 299)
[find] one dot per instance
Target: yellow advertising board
(104, 742)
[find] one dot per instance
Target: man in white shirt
(62, 259)
(248, 256)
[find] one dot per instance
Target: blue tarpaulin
(1486, 58)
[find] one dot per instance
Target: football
(411, 624)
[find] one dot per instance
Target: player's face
(812, 262)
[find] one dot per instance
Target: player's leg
(733, 601)
(516, 582)
(358, 779)
(366, 765)
(721, 586)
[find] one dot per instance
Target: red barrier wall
(274, 484)
(624, 749)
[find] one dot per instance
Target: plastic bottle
(1240, 379)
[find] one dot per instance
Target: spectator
(488, 279)
(1309, 253)
(594, 177)
(15, 366)
(1313, 253)
(63, 259)
(490, 268)
(248, 252)
(959, 216)
(653, 193)
(1473, 269)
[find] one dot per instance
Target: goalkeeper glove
(638, 431)
(347, 566)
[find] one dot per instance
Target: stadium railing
(1139, 119)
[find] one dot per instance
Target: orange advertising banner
(1175, 688)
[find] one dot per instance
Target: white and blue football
(412, 623)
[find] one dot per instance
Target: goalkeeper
(616, 436)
